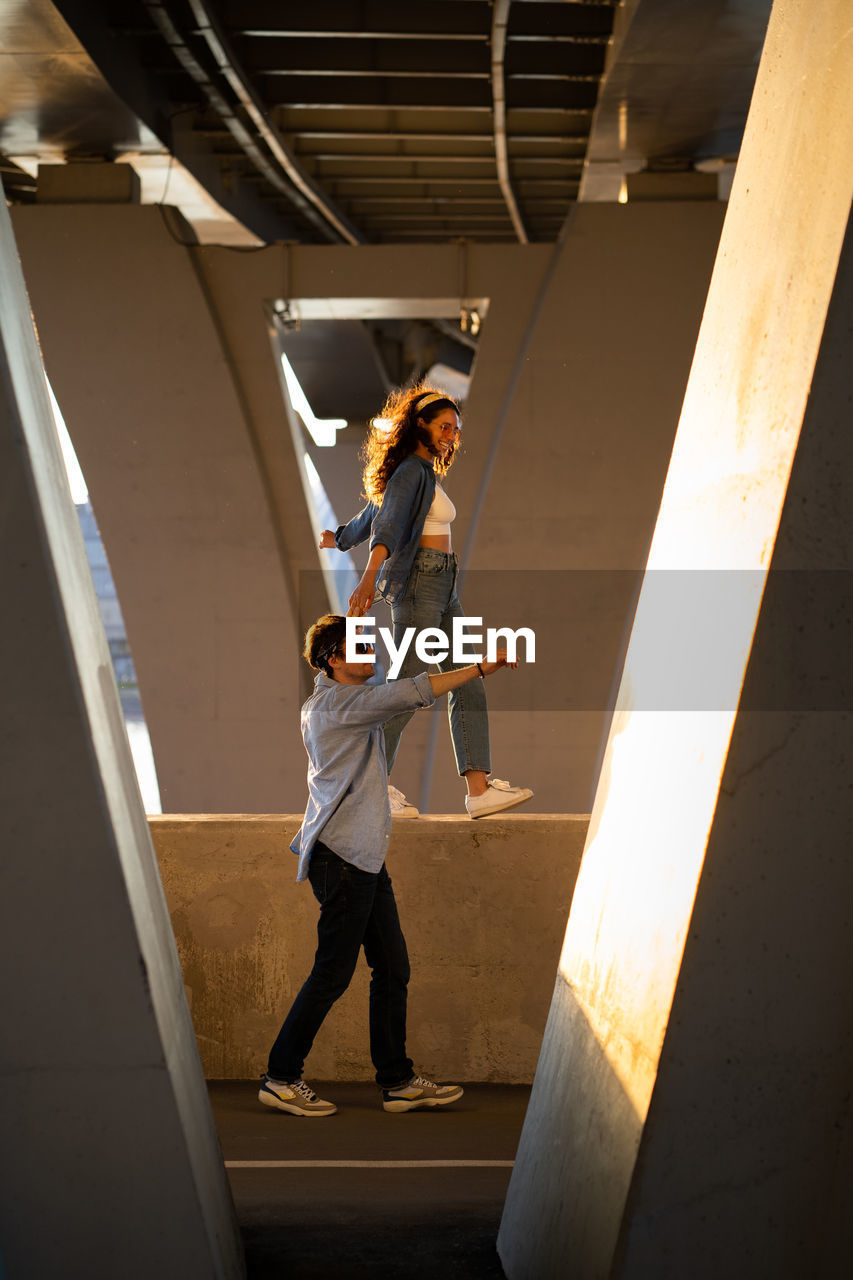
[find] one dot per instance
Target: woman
(407, 519)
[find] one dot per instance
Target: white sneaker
(498, 796)
(400, 807)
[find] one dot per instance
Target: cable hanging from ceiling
(277, 164)
(500, 20)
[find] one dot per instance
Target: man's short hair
(323, 639)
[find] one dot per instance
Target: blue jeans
(357, 909)
(430, 600)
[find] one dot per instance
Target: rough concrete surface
(483, 905)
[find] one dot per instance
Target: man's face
(352, 672)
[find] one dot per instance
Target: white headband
(429, 398)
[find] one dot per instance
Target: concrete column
(580, 462)
(203, 545)
(161, 360)
(690, 1114)
(109, 1163)
(578, 473)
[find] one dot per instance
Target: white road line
(369, 1164)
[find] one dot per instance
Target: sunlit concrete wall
(162, 364)
(483, 906)
(690, 1114)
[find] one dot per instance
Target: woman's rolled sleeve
(356, 530)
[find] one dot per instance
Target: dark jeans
(357, 909)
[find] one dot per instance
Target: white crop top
(440, 514)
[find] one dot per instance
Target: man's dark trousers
(357, 908)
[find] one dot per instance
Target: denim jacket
(397, 524)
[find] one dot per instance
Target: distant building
(107, 598)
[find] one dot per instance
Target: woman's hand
(327, 540)
(362, 598)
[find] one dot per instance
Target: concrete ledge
(483, 905)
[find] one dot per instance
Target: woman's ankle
(477, 781)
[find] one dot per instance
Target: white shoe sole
(418, 1104)
(278, 1104)
(501, 808)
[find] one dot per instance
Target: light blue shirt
(348, 805)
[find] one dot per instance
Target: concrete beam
(88, 182)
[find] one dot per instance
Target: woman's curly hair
(387, 446)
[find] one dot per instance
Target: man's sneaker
(295, 1097)
(400, 807)
(419, 1092)
(497, 797)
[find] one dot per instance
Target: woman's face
(442, 431)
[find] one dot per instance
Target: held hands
(489, 668)
(327, 540)
(362, 598)
(447, 680)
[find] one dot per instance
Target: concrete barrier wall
(483, 906)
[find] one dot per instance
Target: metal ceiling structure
(375, 121)
(364, 121)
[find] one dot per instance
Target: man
(341, 847)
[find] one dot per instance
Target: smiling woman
(408, 518)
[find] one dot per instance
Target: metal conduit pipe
(218, 44)
(160, 17)
(500, 18)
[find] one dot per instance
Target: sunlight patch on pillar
(111, 616)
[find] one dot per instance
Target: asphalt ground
(364, 1193)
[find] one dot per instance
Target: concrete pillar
(579, 466)
(690, 1114)
(109, 1163)
(578, 473)
(204, 544)
(174, 402)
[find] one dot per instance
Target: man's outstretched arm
(447, 680)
